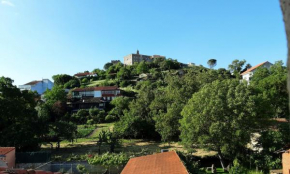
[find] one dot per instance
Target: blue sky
(39, 39)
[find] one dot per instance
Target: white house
(40, 86)
(249, 73)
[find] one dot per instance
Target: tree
(285, 6)
(55, 94)
(61, 79)
(137, 121)
(120, 105)
(212, 63)
(101, 73)
(85, 81)
(124, 73)
(19, 125)
(220, 117)
(62, 130)
(107, 65)
(73, 83)
(271, 85)
(168, 64)
(102, 138)
(142, 68)
(236, 67)
(97, 115)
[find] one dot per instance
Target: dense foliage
(162, 100)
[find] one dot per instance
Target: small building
(7, 155)
(247, 75)
(161, 163)
(40, 86)
(85, 74)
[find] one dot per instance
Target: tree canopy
(212, 63)
(19, 126)
(220, 117)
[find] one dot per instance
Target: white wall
(97, 94)
(40, 87)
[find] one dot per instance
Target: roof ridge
(253, 68)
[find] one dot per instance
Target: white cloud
(4, 2)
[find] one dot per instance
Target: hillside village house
(7, 156)
(86, 98)
(247, 75)
(40, 86)
(85, 74)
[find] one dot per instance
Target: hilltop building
(40, 86)
(137, 58)
(247, 75)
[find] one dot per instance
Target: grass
(88, 145)
(85, 130)
(96, 83)
(129, 88)
(99, 82)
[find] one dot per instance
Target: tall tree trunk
(221, 159)
(285, 6)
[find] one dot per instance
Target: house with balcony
(86, 98)
(40, 86)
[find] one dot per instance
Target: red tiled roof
(84, 74)
(33, 82)
(253, 68)
(161, 163)
(5, 150)
(101, 88)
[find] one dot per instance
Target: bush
(84, 131)
(110, 118)
(124, 83)
(237, 168)
(85, 81)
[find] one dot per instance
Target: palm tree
(211, 63)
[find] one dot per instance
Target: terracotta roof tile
(5, 150)
(253, 68)
(33, 82)
(161, 163)
(84, 74)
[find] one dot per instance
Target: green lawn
(85, 130)
(88, 145)
(129, 88)
(99, 82)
